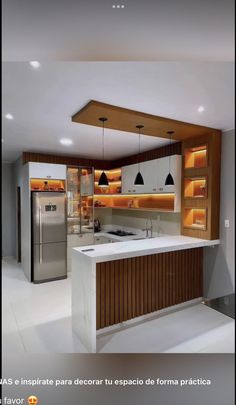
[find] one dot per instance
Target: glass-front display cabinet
(80, 189)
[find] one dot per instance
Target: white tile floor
(37, 319)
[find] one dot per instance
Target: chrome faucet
(150, 228)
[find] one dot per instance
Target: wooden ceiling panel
(123, 119)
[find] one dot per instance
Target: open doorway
(18, 225)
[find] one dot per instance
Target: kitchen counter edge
(136, 248)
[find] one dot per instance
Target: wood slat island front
(136, 286)
(114, 283)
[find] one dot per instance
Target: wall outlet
(226, 223)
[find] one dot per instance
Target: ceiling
(94, 30)
(43, 100)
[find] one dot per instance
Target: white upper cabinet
(154, 174)
(128, 175)
(149, 172)
(164, 166)
(47, 171)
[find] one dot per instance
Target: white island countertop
(134, 248)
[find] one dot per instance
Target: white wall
(219, 263)
(11, 179)
(17, 182)
(8, 211)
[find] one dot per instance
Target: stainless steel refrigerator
(49, 236)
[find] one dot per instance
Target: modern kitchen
(118, 207)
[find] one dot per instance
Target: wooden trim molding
(65, 160)
(132, 287)
(156, 153)
(167, 150)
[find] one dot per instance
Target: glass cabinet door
(79, 200)
(86, 194)
(73, 200)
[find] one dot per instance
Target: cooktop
(120, 232)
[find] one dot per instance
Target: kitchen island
(114, 283)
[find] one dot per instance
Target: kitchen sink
(145, 237)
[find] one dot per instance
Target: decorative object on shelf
(169, 179)
(97, 225)
(103, 180)
(139, 178)
(130, 203)
(46, 186)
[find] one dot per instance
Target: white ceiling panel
(43, 100)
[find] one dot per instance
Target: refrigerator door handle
(40, 236)
(40, 253)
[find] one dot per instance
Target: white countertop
(133, 248)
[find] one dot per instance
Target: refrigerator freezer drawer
(49, 262)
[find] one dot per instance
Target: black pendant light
(103, 180)
(169, 179)
(139, 178)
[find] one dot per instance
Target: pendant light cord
(139, 144)
(170, 153)
(103, 153)
(103, 119)
(139, 139)
(170, 134)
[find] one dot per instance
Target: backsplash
(104, 215)
(167, 223)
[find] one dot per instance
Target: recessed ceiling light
(201, 108)
(35, 64)
(66, 141)
(9, 116)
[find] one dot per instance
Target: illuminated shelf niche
(196, 157)
(195, 218)
(163, 202)
(195, 187)
(47, 185)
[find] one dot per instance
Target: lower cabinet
(75, 241)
